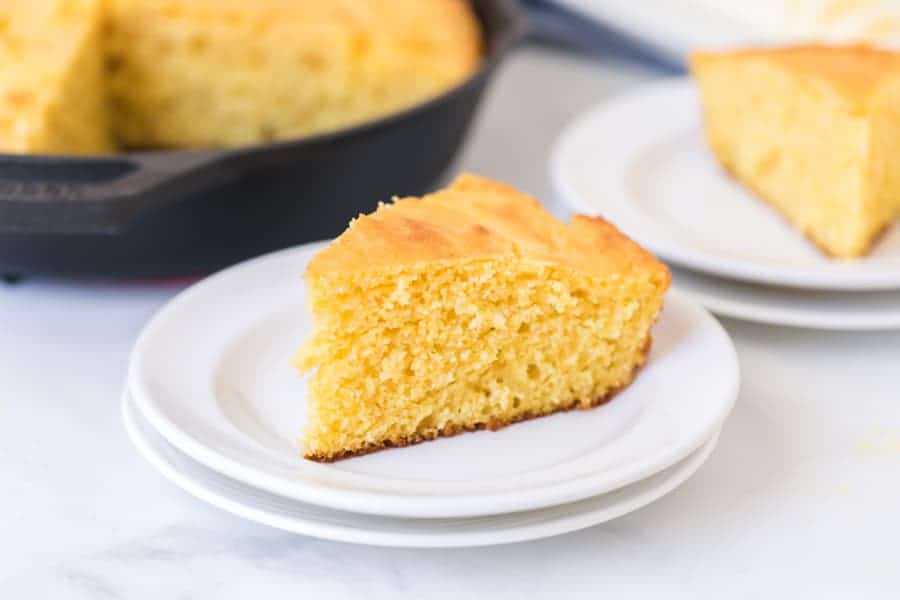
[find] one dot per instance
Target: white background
(802, 496)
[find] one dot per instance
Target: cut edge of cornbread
(494, 425)
(525, 317)
(862, 249)
(53, 95)
(814, 132)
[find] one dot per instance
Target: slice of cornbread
(469, 308)
(813, 130)
(199, 73)
(52, 91)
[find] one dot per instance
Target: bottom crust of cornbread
(873, 241)
(491, 425)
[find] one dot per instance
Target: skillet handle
(73, 195)
(550, 22)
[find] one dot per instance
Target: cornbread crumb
(469, 308)
(200, 73)
(52, 90)
(813, 130)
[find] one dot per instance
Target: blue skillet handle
(554, 24)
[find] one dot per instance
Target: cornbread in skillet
(814, 131)
(52, 94)
(199, 73)
(469, 308)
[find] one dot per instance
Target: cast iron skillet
(172, 213)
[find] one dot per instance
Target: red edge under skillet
(174, 213)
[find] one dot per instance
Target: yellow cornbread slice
(52, 89)
(814, 131)
(469, 308)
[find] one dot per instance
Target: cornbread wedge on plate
(814, 131)
(198, 73)
(52, 92)
(469, 308)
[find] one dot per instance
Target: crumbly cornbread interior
(52, 91)
(814, 131)
(469, 308)
(197, 73)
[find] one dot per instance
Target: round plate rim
(407, 506)
(856, 276)
(802, 318)
(670, 479)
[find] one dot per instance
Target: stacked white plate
(213, 403)
(640, 161)
(677, 27)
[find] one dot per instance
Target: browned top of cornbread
(444, 20)
(856, 70)
(477, 218)
(370, 10)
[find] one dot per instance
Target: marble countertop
(799, 499)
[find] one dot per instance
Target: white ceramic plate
(813, 309)
(212, 373)
(307, 519)
(678, 27)
(674, 27)
(641, 162)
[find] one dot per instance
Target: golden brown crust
(855, 70)
(800, 52)
(477, 218)
(494, 425)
